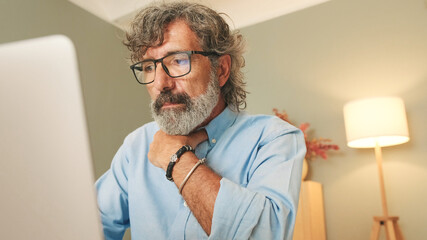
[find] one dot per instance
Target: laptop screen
(46, 173)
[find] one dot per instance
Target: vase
(304, 169)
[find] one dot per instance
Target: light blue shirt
(259, 158)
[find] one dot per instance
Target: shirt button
(213, 140)
(185, 204)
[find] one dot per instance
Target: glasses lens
(145, 71)
(178, 64)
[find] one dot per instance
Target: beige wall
(313, 61)
(115, 103)
(310, 63)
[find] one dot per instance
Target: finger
(197, 137)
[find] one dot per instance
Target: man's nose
(162, 80)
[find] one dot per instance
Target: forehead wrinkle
(173, 40)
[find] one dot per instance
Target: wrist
(175, 158)
(186, 162)
(181, 186)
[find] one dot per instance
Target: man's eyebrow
(167, 53)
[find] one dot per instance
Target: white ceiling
(242, 12)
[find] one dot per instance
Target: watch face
(174, 158)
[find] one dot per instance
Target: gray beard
(181, 121)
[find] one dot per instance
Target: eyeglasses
(176, 65)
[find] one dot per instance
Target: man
(229, 175)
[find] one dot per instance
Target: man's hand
(202, 188)
(164, 146)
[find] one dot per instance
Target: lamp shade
(375, 120)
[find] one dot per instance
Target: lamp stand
(392, 229)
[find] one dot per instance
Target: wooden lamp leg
(392, 229)
(399, 233)
(378, 156)
(375, 233)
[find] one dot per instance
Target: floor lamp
(376, 123)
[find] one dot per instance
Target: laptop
(46, 174)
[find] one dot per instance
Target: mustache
(169, 97)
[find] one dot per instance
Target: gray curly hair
(214, 34)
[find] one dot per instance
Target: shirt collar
(219, 125)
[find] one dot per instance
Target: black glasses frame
(155, 61)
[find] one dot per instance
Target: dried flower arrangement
(315, 147)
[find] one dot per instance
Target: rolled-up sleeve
(265, 207)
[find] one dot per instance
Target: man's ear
(224, 69)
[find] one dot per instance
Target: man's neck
(218, 109)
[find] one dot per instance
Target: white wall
(310, 63)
